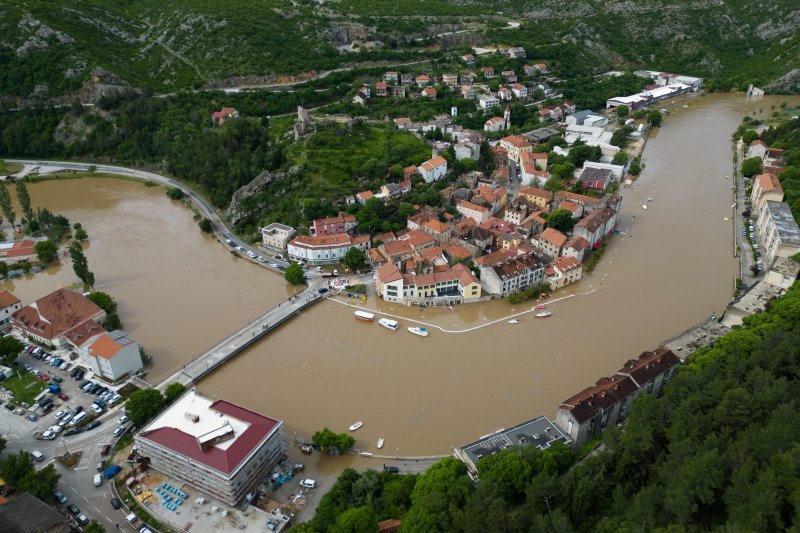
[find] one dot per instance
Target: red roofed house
(515, 145)
(478, 213)
(575, 247)
(218, 118)
(112, 355)
(765, 187)
(363, 196)
(217, 447)
(433, 169)
(9, 304)
(317, 249)
(551, 241)
(381, 88)
(342, 223)
(24, 250)
(429, 92)
(563, 271)
(608, 402)
(58, 317)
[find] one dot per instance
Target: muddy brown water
(180, 292)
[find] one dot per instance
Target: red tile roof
(225, 461)
(7, 299)
(56, 314)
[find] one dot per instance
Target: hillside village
(514, 214)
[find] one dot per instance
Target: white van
(37, 455)
(98, 480)
(77, 418)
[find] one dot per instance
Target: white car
(98, 480)
(96, 408)
(61, 414)
(49, 435)
(273, 265)
(308, 483)
(121, 420)
(55, 429)
(251, 255)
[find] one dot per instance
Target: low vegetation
(327, 440)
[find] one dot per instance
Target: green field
(24, 386)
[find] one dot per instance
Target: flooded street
(180, 292)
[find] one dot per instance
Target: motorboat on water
(543, 314)
(644, 206)
(380, 443)
(513, 321)
(422, 332)
(541, 306)
(356, 425)
(363, 315)
(649, 199)
(389, 324)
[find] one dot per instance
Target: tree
(355, 520)
(620, 158)
(2, 444)
(561, 219)
(622, 111)
(578, 155)
(40, 483)
(175, 193)
(5, 204)
(751, 167)
(355, 258)
(15, 467)
(328, 440)
(9, 349)
(553, 185)
(80, 265)
(81, 235)
(107, 304)
(636, 168)
(294, 274)
(94, 527)
(144, 404)
(24, 200)
(620, 136)
(205, 225)
(46, 251)
(509, 471)
(173, 391)
(654, 118)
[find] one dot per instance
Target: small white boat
(644, 206)
(543, 314)
(650, 199)
(356, 425)
(380, 443)
(541, 306)
(389, 324)
(422, 332)
(513, 321)
(363, 315)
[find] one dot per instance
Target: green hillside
(51, 48)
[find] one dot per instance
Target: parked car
(120, 430)
(308, 483)
(83, 519)
(101, 465)
(98, 480)
(61, 414)
(73, 509)
(115, 503)
(19, 411)
(59, 496)
(63, 396)
(105, 450)
(122, 419)
(58, 379)
(32, 417)
(72, 431)
(96, 408)
(93, 425)
(391, 468)
(77, 409)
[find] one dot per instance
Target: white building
(777, 230)
(318, 249)
(9, 304)
(218, 448)
(513, 275)
(488, 101)
(433, 169)
(276, 235)
(111, 355)
(58, 318)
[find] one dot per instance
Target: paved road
(77, 484)
(739, 222)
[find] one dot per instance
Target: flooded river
(180, 292)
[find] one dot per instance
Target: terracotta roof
(649, 365)
(397, 248)
(7, 299)
(437, 161)
(516, 141)
(376, 256)
(769, 183)
(474, 207)
(84, 332)
(456, 251)
(554, 237)
(601, 396)
(56, 314)
(389, 526)
(565, 263)
(540, 193)
(388, 272)
(577, 243)
(365, 194)
(581, 199)
(213, 457)
(321, 240)
(431, 253)
(595, 219)
(23, 248)
(517, 266)
(107, 345)
(570, 206)
(343, 218)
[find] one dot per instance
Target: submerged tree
(5, 205)
(80, 265)
(24, 200)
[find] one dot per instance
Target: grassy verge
(75, 175)
(123, 441)
(595, 258)
(357, 289)
(24, 387)
(9, 168)
(71, 461)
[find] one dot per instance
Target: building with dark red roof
(608, 402)
(52, 319)
(219, 448)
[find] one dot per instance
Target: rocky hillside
(79, 49)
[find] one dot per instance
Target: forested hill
(719, 451)
(51, 48)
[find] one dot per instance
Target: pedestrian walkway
(248, 335)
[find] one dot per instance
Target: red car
(44, 377)
(63, 396)
(104, 451)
